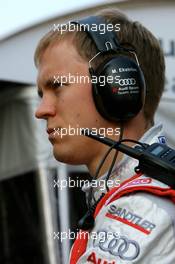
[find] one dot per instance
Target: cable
(133, 141)
(116, 154)
(96, 174)
(91, 196)
(114, 158)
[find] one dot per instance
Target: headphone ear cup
(119, 93)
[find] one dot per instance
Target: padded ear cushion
(119, 93)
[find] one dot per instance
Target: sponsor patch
(118, 246)
(130, 218)
(141, 181)
(94, 259)
(162, 139)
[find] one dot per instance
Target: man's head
(72, 104)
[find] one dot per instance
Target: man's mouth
(50, 130)
(53, 132)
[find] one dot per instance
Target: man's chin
(66, 157)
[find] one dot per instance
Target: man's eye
(57, 85)
(40, 94)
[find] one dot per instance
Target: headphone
(123, 95)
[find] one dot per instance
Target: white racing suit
(134, 223)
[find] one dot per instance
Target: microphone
(87, 221)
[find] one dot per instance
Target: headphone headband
(104, 42)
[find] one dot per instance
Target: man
(133, 224)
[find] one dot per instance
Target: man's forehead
(58, 60)
(49, 65)
(44, 72)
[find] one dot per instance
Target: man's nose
(45, 109)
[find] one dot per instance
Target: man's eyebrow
(48, 83)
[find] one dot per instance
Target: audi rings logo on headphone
(124, 82)
(118, 246)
